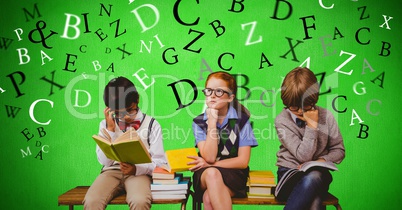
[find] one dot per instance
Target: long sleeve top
(299, 145)
(155, 147)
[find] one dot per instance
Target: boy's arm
(336, 148)
(302, 148)
(156, 151)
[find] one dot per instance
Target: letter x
(291, 49)
(386, 22)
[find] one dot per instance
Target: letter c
(333, 104)
(31, 110)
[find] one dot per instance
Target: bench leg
(338, 206)
(71, 207)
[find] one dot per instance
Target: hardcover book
(126, 148)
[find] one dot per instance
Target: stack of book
(261, 184)
(168, 185)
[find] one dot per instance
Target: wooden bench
(329, 200)
(76, 196)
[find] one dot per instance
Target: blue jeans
(305, 191)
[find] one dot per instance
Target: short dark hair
(300, 88)
(120, 93)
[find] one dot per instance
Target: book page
(327, 164)
(130, 135)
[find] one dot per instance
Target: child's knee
(317, 177)
(212, 174)
(139, 201)
(92, 202)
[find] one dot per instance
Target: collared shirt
(246, 138)
(294, 117)
(156, 149)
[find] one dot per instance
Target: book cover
(182, 185)
(177, 159)
(294, 174)
(171, 192)
(168, 196)
(250, 195)
(175, 180)
(261, 178)
(161, 173)
(260, 190)
(126, 148)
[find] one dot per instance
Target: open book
(126, 148)
(294, 174)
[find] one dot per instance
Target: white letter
(25, 55)
(250, 34)
(76, 98)
(144, 28)
(322, 5)
(43, 56)
(142, 79)
(344, 63)
(77, 30)
(354, 88)
(96, 64)
(26, 153)
(357, 117)
(68, 96)
(306, 61)
(386, 22)
(18, 34)
(31, 109)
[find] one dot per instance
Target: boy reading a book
(306, 133)
(121, 112)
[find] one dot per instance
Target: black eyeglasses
(218, 92)
(304, 108)
(131, 112)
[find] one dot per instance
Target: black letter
(291, 49)
(15, 84)
(233, 6)
(276, 10)
(357, 36)
(333, 104)
(68, 61)
(52, 83)
(307, 27)
(176, 15)
(220, 58)
(177, 95)
(194, 40)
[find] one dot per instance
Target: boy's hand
(311, 117)
(128, 169)
(110, 125)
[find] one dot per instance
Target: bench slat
(76, 196)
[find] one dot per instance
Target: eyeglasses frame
(214, 91)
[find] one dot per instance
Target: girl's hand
(128, 169)
(199, 163)
(212, 115)
(110, 124)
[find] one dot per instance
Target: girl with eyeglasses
(224, 137)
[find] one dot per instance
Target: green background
(63, 153)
